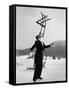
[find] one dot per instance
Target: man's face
(39, 37)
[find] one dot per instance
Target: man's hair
(37, 37)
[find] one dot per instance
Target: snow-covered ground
(53, 70)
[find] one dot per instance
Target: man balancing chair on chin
(38, 60)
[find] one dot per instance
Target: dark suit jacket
(39, 50)
(39, 47)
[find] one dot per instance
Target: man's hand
(29, 52)
(52, 44)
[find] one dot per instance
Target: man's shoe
(40, 78)
(34, 80)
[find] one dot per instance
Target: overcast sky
(27, 28)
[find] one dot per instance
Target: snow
(53, 70)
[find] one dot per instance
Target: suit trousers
(38, 67)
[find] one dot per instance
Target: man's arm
(33, 46)
(47, 46)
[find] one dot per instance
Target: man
(38, 62)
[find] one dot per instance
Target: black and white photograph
(40, 44)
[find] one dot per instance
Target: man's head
(38, 37)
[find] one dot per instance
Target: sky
(27, 28)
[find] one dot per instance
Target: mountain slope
(59, 50)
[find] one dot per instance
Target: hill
(59, 50)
